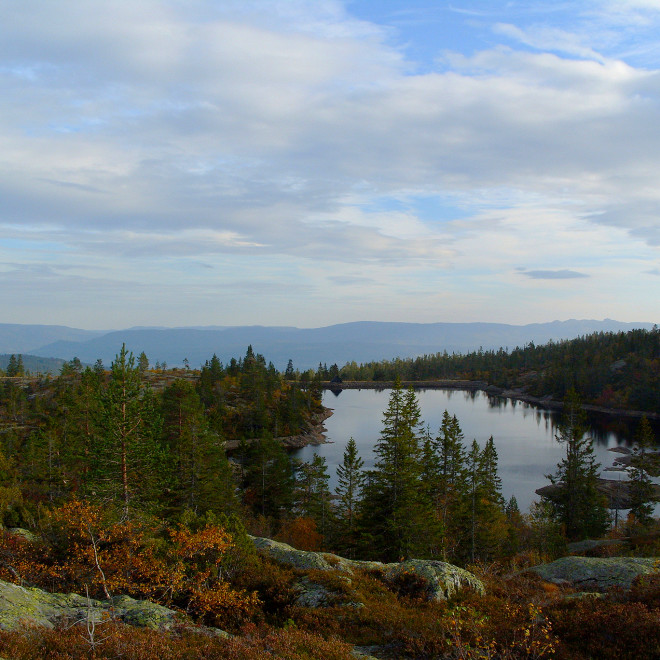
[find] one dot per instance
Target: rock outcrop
(28, 605)
(595, 573)
(442, 580)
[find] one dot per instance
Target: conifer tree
(127, 453)
(143, 362)
(450, 488)
(79, 407)
(199, 474)
(515, 524)
(350, 481)
(312, 493)
(578, 504)
(12, 366)
(395, 509)
(269, 478)
(641, 487)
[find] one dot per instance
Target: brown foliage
(301, 534)
(120, 641)
(89, 551)
(600, 628)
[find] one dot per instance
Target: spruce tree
(577, 505)
(12, 366)
(198, 473)
(268, 478)
(312, 494)
(395, 511)
(350, 481)
(450, 488)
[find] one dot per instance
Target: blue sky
(308, 162)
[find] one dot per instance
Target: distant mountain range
(360, 341)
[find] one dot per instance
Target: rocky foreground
(30, 606)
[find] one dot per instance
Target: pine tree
(578, 504)
(127, 453)
(350, 481)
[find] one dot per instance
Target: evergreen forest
(611, 370)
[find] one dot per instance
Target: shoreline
(314, 435)
(491, 390)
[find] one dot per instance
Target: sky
(311, 162)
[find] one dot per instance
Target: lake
(524, 435)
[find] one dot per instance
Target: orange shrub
(87, 549)
(301, 534)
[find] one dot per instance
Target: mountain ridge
(360, 341)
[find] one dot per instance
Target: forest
(612, 370)
(120, 481)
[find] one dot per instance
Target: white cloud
(550, 39)
(291, 131)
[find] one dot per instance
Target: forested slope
(613, 370)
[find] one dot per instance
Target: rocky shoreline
(314, 434)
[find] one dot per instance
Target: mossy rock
(24, 534)
(30, 606)
(442, 580)
(305, 560)
(599, 573)
(143, 613)
(21, 605)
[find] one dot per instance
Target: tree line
(609, 369)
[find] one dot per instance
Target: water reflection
(524, 434)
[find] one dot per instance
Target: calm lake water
(524, 435)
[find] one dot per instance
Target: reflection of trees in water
(547, 419)
(497, 402)
(604, 429)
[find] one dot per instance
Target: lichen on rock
(31, 606)
(598, 572)
(442, 580)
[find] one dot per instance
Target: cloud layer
(290, 162)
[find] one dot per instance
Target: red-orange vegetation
(301, 534)
(116, 640)
(85, 549)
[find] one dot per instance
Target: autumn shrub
(273, 584)
(87, 549)
(22, 561)
(599, 628)
(334, 581)
(120, 641)
(301, 534)
(646, 589)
